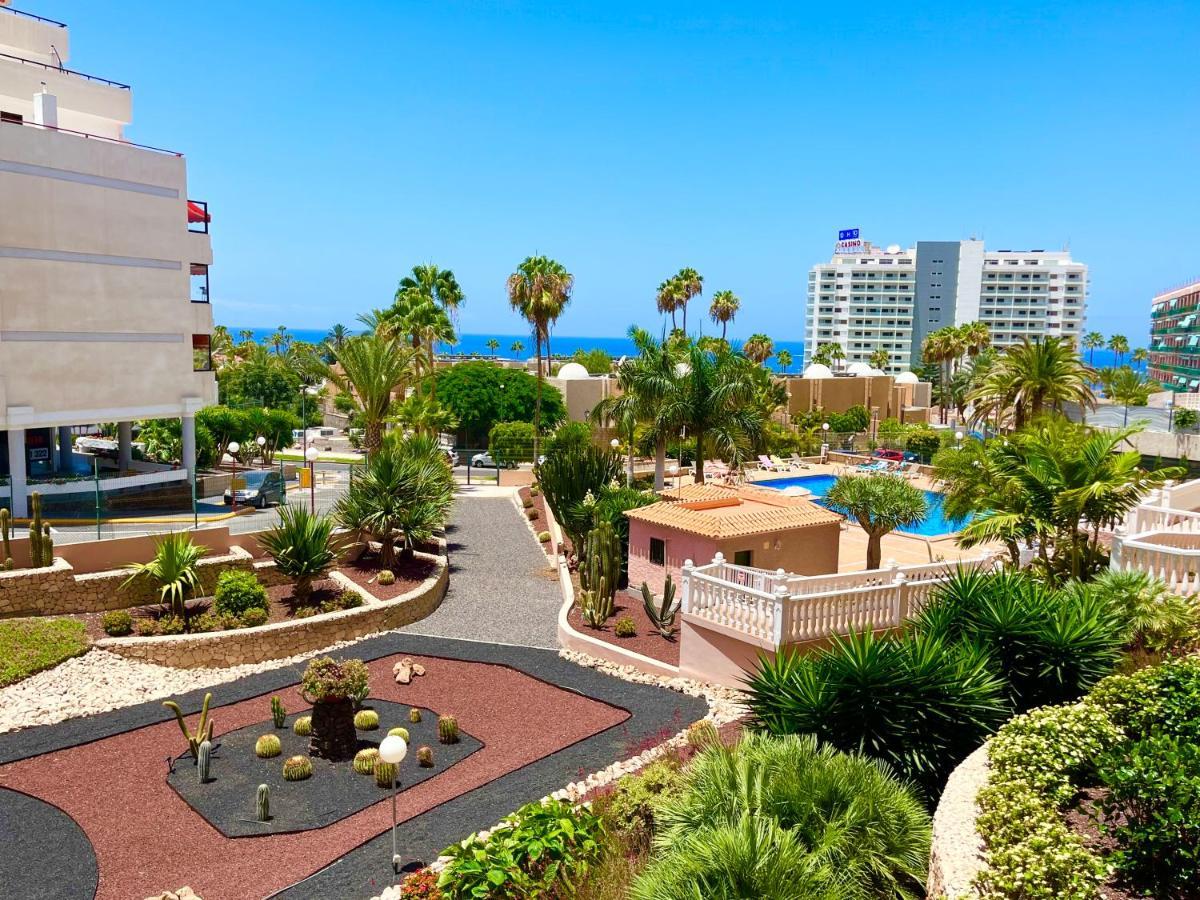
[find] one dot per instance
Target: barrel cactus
(303, 726)
(425, 757)
(414, 715)
(366, 720)
(448, 730)
(703, 734)
(278, 713)
(267, 747)
(297, 768)
(263, 803)
(385, 774)
(364, 760)
(399, 732)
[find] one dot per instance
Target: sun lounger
(798, 462)
(781, 464)
(765, 464)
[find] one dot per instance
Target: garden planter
(333, 735)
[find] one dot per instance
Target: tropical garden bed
(645, 638)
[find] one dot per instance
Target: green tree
(879, 359)
(337, 336)
(880, 504)
(259, 378)
(517, 348)
(371, 369)
(759, 348)
(226, 426)
(723, 309)
(1130, 388)
(493, 345)
(1118, 344)
(425, 415)
(1091, 341)
(1030, 377)
(481, 393)
(784, 358)
(511, 442)
(421, 322)
(276, 425)
(304, 547)
(596, 361)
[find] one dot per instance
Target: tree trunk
(372, 435)
(874, 549)
(537, 402)
(660, 461)
(685, 318)
(432, 370)
(724, 325)
(699, 479)
(629, 471)
(387, 552)
(333, 735)
(302, 590)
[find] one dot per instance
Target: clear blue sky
(340, 143)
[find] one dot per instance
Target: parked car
(258, 487)
(485, 460)
(451, 457)
(891, 455)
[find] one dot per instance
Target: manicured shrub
(297, 768)
(267, 746)
(305, 612)
(253, 618)
(420, 886)
(31, 645)
(538, 851)
(788, 817)
(145, 627)
(630, 807)
(447, 729)
(170, 625)
(1154, 620)
(366, 720)
(398, 732)
(918, 702)
(387, 577)
(238, 591)
(117, 622)
(365, 760)
(303, 726)
(544, 537)
(625, 627)
(345, 600)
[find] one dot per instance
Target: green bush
(630, 807)
(1155, 621)
(844, 825)
(924, 442)
(569, 434)
(852, 421)
(538, 851)
(345, 600)
(304, 546)
(1185, 419)
(510, 443)
(625, 627)
(117, 622)
(31, 645)
(254, 617)
(919, 702)
(238, 591)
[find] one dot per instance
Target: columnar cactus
(278, 713)
(6, 535)
(399, 732)
(204, 761)
(385, 774)
(297, 768)
(661, 614)
(414, 715)
(263, 803)
(204, 730)
(448, 730)
(366, 720)
(425, 757)
(41, 546)
(303, 726)
(599, 572)
(364, 760)
(267, 747)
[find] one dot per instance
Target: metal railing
(94, 137)
(18, 12)
(52, 68)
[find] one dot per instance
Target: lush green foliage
(567, 477)
(852, 421)
(28, 646)
(844, 825)
(370, 369)
(924, 442)
(480, 394)
(238, 591)
(630, 807)
(569, 434)
(541, 850)
(596, 361)
(880, 504)
(919, 702)
(1186, 419)
(326, 678)
(117, 622)
(1030, 378)
(1155, 620)
(304, 547)
(174, 568)
(511, 442)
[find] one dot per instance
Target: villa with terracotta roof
(749, 526)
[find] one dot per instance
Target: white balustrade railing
(1178, 567)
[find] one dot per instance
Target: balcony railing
(197, 214)
(94, 137)
(17, 12)
(71, 72)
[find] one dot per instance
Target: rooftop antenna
(57, 57)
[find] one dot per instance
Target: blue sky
(340, 143)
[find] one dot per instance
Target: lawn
(31, 645)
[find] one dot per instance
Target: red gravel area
(647, 642)
(409, 574)
(541, 524)
(148, 839)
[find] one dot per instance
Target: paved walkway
(502, 588)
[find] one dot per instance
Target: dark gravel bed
(46, 855)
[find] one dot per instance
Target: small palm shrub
(303, 546)
(1155, 621)
(919, 702)
(175, 568)
(238, 591)
(820, 823)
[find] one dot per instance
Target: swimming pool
(934, 523)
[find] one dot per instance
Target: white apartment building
(104, 313)
(867, 298)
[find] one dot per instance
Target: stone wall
(955, 856)
(255, 645)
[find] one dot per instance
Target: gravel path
(502, 588)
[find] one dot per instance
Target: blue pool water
(934, 523)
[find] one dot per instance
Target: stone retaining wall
(255, 645)
(955, 855)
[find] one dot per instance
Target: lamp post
(262, 442)
(824, 441)
(311, 455)
(234, 447)
(675, 476)
(392, 750)
(305, 392)
(1170, 414)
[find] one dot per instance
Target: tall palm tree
(493, 345)
(539, 290)
(517, 348)
(245, 336)
(370, 368)
(691, 284)
(280, 339)
(879, 359)
(976, 337)
(784, 358)
(723, 309)
(1031, 376)
(222, 343)
(337, 336)
(668, 298)
(1139, 355)
(423, 323)
(759, 348)
(837, 353)
(1130, 388)
(943, 348)
(1091, 341)
(1118, 344)
(437, 285)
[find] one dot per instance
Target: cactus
(600, 565)
(267, 747)
(448, 730)
(41, 545)
(366, 720)
(425, 758)
(297, 768)
(661, 615)
(385, 773)
(303, 726)
(364, 760)
(47, 546)
(204, 730)
(703, 734)
(263, 803)
(595, 607)
(6, 535)
(387, 577)
(278, 713)
(204, 761)
(414, 715)
(399, 732)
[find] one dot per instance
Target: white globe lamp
(392, 750)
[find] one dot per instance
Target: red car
(890, 455)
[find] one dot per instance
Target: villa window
(201, 353)
(658, 552)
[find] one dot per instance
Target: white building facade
(104, 313)
(868, 298)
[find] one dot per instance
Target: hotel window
(658, 552)
(201, 353)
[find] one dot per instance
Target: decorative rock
(406, 669)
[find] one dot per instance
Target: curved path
(46, 855)
(502, 588)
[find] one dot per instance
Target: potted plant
(331, 686)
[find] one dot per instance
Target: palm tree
(246, 336)
(436, 285)
(370, 368)
(517, 348)
(1032, 375)
(337, 336)
(424, 323)
(723, 309)
(943, 347)
(425, 415)
(176, 569)
(493, 345)
(784, 358)
(1130, 388)
(976, 337)
(280, 339)
(837, 354)
(304, 546)
(879, 359)
(759, 348)
(1139, 355)
(1118, 344)
(691, 284)
(539, 290)
(1091, 341)
(880, 504)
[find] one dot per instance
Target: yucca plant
(304, 547)
(175, 569)
(919, 702)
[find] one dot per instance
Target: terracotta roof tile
(757, 511)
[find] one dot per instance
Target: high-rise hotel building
(868, 298)
(1175, 338)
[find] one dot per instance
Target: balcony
(61, 71)
(93, 137)
(197, 216)
(199, 284)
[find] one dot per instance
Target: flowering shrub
(421, 886)
(331, 679)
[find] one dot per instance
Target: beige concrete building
(104, 313)
(582, 391)
(900, 396)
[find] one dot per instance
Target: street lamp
(674, 470)
(234, 447)
(614, 443)
(1170, 414)
(262, 442)
(959, 436)
(392, 750)
(311, 455)
(306, 391)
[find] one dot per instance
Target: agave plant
(304, 547)
(175, 569)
